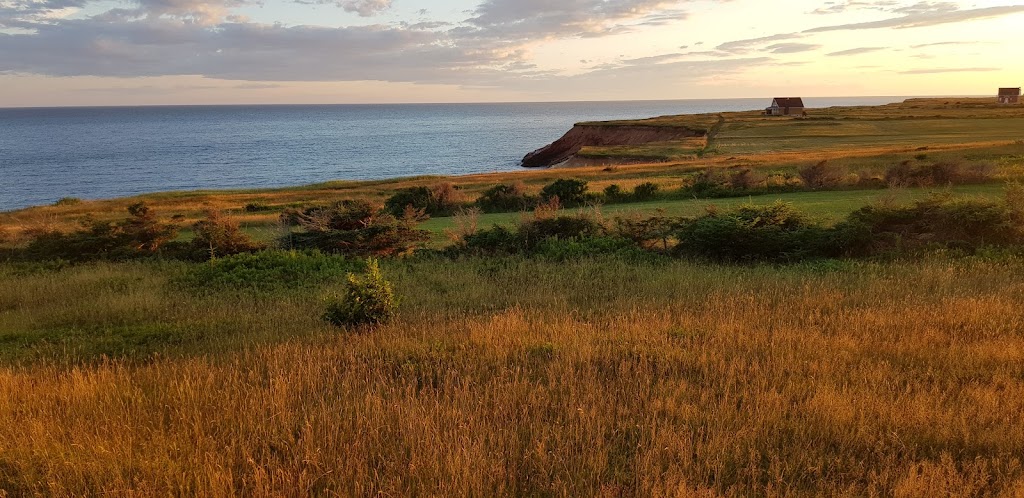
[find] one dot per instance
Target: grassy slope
(517, 377)
(520, 377)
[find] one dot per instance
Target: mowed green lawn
(785, 135)
(828, 206)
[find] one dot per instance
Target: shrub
(505, 197)
(823, 175)
(355, 228)
(141, 234)
(439, 200)
(614, 193)
(570, 192)
(776, 232)
(417, 197)
(465, 223)
(532, 234)
(652, 232)
(645, 191)
(257, 207)
(706, 184)
(219, 235)
(266, 271)
(746, 179)
(444, 199)
(68, 201)
(368, 300)
(943, 173)
(936, 221)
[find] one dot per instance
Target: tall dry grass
(530, 378)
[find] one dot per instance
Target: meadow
(528, 377)
(560, 371)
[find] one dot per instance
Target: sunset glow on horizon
(111, 52)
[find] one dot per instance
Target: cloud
(745, 45)
(855, 51)
(791, 48)
(926, 14)
(365, 8)
(543, 19)
(950, 70)
(839, 8)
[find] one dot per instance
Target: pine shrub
(368, 300)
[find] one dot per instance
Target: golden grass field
(532, 378)
(511, 376)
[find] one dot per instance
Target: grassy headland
(595, 365)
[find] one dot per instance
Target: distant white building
(786, 106)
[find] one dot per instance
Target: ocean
(104, 152)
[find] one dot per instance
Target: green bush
(68, 201)
(645, 191)
(531, 235)
(267, 271)
(368, 300)
(569, 192)
(938, 221)
(219, 235)
(355, 228)
(439, 200)
(506, 197)
(415, 197)
(776, 232)
(614, 193)
(141, 234)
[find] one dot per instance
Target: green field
(828, 207)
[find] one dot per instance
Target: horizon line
(135, 106)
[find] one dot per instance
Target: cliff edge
(597, 135)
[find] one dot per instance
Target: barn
(786, 106)
(1009, 95)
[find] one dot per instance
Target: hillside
(750, 136)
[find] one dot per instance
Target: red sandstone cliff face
(602, 135)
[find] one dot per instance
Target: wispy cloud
(922, 16)
(950, 70)
(855, 51)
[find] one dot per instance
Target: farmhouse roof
(1009, 92)
(789, 101)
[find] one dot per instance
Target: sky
(140, 52)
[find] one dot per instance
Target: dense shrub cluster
(442, 199)
(937, 221)
(141, 234)
(907, 173)
(529, 235)
(355, 228)
(267, 270)
(776, 232)
(569, 192)
(505, 198)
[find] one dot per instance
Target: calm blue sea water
(94, 153)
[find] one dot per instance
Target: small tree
(221, 236)
(645, 191)
(569, 192)
(368, 300)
